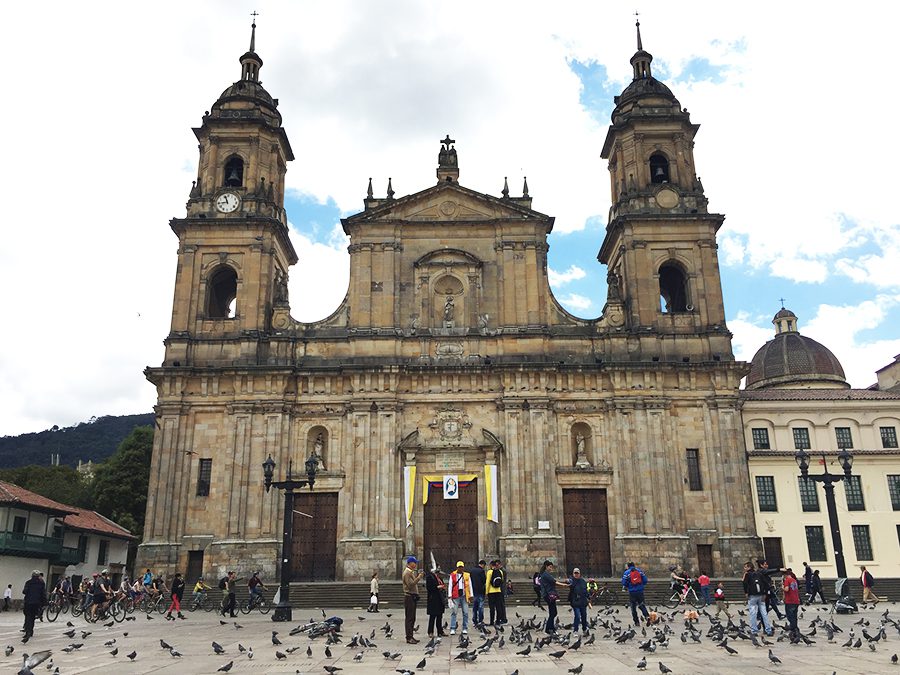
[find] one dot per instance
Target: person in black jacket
(435, 603)
(478, 577)
(177, 595)
(35, 593)
(771, 598)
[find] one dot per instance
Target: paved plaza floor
(193, 638)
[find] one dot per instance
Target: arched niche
(581, 445)
(673, 288)
(448, 302)
(317, 444)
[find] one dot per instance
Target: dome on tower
(792, 361)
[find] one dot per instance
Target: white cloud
(573, 301)
(799, 269)
(558, 279)
(750, 334)
(319, 282)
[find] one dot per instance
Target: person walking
(807, 579)
(536, 584)
(177, 595)
(550, 594)
(578, 598)
(478, 575)
(495, 587)
(817, 588)
(7, 597)
(721, 602)
(703, 581)
(791, 601)
(411, 580)
(35, 597)
(460, 597)
(771, 597)
(435, 603)
(373, 592)
(634, 580)
(868, 583)
(230, 595)
(755, 588)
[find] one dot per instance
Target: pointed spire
(250, 61)
(641, 59)
(255, 14)
(525, 189)
(369, 192)
(505, 191)
(637, 23)
(390, 190)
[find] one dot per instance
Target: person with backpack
(756, 588)
(634, 580)
(578, 598)
(536, 583)
(495, 587)
(868, 583)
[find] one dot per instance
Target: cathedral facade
(457, 410)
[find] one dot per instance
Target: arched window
(673, 289)
(234, 172)
(659, 169)
(221, 293)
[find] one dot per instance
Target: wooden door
(586, 522)
(451, 527)
(314, 550)
(705, 560)
(194, 567)
(772, 548)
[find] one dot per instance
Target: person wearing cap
(479, 587)
(495, 587)
(411, 579)
(460, 596)
(578, 598)
(35, 597)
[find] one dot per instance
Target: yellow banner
(409, 491)
(463, 477)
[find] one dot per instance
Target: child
(791, 600)
(721, 602)
(703, 580)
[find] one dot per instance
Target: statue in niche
(449, 308)
(281, 287)
(613, 293)
(319, 449)
(581, 460)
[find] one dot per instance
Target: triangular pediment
(448, 202)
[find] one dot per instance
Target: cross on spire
(781, 300)
(254, 14)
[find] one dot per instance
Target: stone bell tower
(234, 250)
(660, 244)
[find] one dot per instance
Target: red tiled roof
(91, 521)
(819, 395)
(13, 495)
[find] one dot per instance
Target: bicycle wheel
(674, 600)
(77, 609)
(53, 610)
(207, 604)
(695, 602)
(246, 606)
(117, 611)
(161, 605)
(264, 606)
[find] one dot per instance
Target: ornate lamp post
(283, 608)
(828, 480)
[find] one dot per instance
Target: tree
(121, 482)
(59, 483)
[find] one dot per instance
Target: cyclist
(679, 577)
(87, 591)
(199, 594)
(137, 590)
(102, 593)
(256, 587)
(593, 589)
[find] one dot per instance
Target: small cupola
(250, 61)
(785, 321)
(640, 62)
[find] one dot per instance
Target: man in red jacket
(791, 600)
(868, 583)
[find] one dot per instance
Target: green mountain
(94, 440)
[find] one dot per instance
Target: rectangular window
(888, 437)
(693, 468)
(765, 493)
(760, 439)
(809, 495)
(82, 547)
(815, 542)
(853, 489)
(898, 534)
(844, 437)
(203, 477)
(801, 438)
(862, 542)
(894, 490)
(19, 524)
(103, 553)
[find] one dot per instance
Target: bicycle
(259, 602)
(56, 605)
(686, 595)
(605, 596)
(155, 603)
(201, 601)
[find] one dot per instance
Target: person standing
(373, 592)
(703, 580)
(434, 602)
(578, 598)
(177, 595)
(7, 597)
(479, 586)
(771, 597)
(868, 583)
(550, 594)
(817, 588)
(460, 596)
(536, 584)
(634, 580)
(807, 578)
(35, 597)
(791, 600)
(411, 580)
(230, 597)
(496, 587)
(721, 602)
(755, 589)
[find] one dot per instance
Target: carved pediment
(450, 209)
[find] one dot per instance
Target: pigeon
(389, 655)
(525, 652)
(894, 658)
(222, 623)
(241, 648)
(175, 653)
(109, 643)
(33, 660)
(237, 626)
(331, 669)
(774, 659)
(558, 655)
(421, 664)
(10, 649)
(327, 653)
(109, 625)
(84, 634)
(280, 655)
(165, 645)
(308, 652)
(217, 648)
(132, 655)
(225, 668)
(642, 664)
(70, 633)
(577, 669)
(663, 668)
(358, 657)
(275, 640)
(114, 652)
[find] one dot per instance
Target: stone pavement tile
(194, 636)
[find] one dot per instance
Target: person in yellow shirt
(199, 594)
(460, 596)
(496, 589)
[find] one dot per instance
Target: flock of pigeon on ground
(524, 639)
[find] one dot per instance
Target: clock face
(227, 202)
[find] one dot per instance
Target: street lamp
(828, 480)
(283, 608)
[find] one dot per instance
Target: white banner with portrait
(451, 486)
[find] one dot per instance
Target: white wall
(16, 571)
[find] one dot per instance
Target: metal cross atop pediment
(448, 142)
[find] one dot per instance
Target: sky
(796, 148)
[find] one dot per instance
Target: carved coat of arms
(450, 424)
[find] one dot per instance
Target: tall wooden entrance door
(451, 527)
(587, 532)
(194, 566)
(773, 552)
(315, 538)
